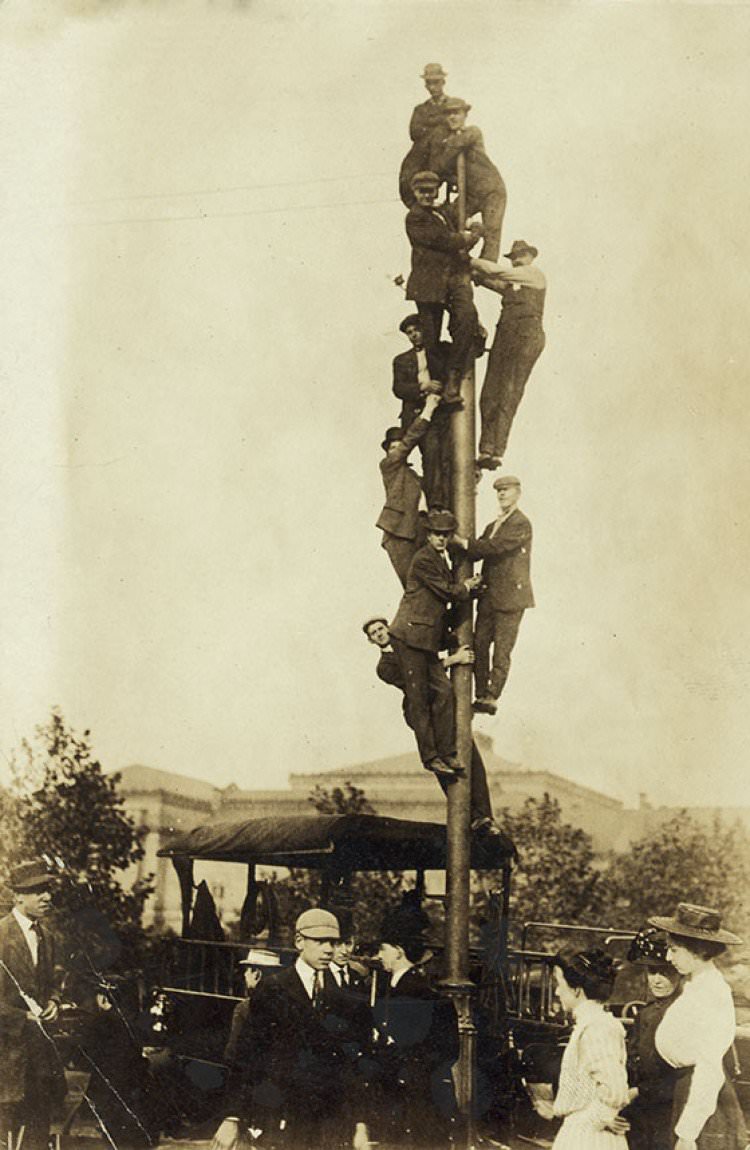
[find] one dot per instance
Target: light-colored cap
(260, 958)
(317, 923)
(506, 481)
(433, 72)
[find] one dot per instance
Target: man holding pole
(505, 548)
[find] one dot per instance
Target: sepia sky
(199, 228)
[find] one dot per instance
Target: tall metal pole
(457, 983)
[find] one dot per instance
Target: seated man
(416, 634)
(485, 189)
(440, 278)
(427, 119)
(389, 671)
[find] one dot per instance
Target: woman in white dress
(696, 1032)
(593, 1084)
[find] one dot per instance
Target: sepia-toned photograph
(375, 618)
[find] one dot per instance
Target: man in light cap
(485, 189)
(505, 548)
(417, 636)
(440, 278)
(426, 119)
(300, 1089)
(518, 343)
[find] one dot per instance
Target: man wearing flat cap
(417, 637)
(440, 279)
(518, 343)
(485, 189)
(300, 1089)
(33, 1082)
(427, 120)
(505, 549)
(399, 520)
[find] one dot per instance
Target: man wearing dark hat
(300, 1088)
(417, 636)
(440, 279)
(518, 343)
(505, 548)
(415, 1039)
(485, 189)
(33, 1081)
(389, 671)
(427, 119)
(418, 373)
(399, 519)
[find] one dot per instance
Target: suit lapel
(19, 961)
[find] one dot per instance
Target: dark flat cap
(425, 180)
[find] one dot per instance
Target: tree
(63, 806)
(554, 879)
(681, 861)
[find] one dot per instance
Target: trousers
(462, 325)
(437, 463)
(400, 552)
(429, 701)
(515, 350)
(497, 630)
(492, 207)
(480, 804)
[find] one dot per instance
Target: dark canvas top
(355, 842)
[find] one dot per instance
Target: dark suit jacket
(507, 558)
(406, 382)
(299, 1068)
(402, 485)
(482, 177)
(438, 252)
(22, 1041)
(430, 587)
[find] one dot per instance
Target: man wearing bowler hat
(440, 278)
(399, 520)
(32, 1083)
(505, 548)
(417, 637)
(427, 119)
(485, 189)
(518, 343)
(300, 1089)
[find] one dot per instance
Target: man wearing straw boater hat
(254, 965)
(32, 1081)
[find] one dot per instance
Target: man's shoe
(452, 762)
(485, 705)
(441, 769)
(497, 461)
(486, 461)
(451, 402)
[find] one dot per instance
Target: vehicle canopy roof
(334, 842)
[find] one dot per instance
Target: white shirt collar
(307, 975)
(396, 978)
(26, 924)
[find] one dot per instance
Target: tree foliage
(683, 860)
(555, 879)
(63, 806)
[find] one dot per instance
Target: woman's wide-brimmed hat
(693, 921)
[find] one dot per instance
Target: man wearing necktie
(32, 1082)
(505, 548)
(300, 1090)
(417, 637)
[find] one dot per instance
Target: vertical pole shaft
(457, 982)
